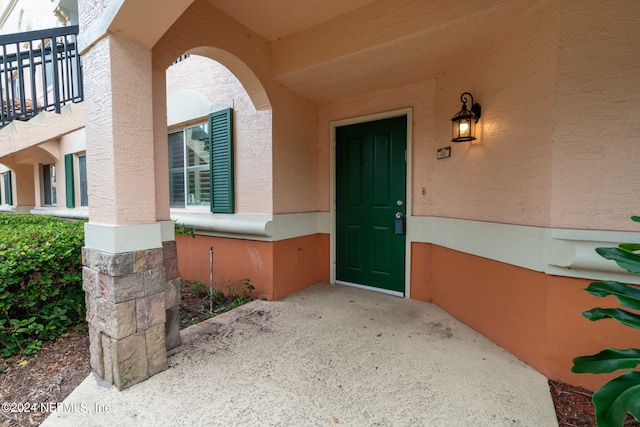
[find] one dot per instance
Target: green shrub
(183, 229)
(236, 299)
(620, 396)
(41, 292)
(199, 289)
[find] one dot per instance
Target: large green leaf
(628, 295)
(630, 246)
(616, 398)
(622, 316)
(608, 360)
(625, 259)
(635, 218)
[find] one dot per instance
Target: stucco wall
(596, 151)
(90, 11)
(505, 175)
(295, 151)
(276, 269)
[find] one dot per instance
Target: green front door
(370, 203)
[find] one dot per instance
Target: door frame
(332, 191)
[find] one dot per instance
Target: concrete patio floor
(325, 356)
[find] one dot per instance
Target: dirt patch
(51, 375)
(30, 383)
(197, 304)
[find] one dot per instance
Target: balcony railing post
(56, 80)
(5, 89)
(32, 75)
(43, 64)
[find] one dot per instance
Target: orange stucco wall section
(296, 263)
(533, 315)
(276, 269)
(506, 304)
(234, 260)
(420, 267)
(569, 334)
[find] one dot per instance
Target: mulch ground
(47, 377)
(51, 375)
(574, 407)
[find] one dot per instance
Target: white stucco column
(119, 115)
(130, 263)
(159, 81)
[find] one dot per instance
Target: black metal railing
(39, 71)
(180, 58)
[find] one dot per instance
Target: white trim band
(255, 226)
(75, 213)
(116, 239)
(562, 252)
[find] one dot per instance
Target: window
(84, 188)
(6, 181)
(70, 182)
(201, 165)
(49, 184)
(189, 167)
(70, 193)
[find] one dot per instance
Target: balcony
(39, 71)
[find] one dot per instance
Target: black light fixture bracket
(476, 109)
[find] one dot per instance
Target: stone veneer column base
(132, 303)
(172, 325)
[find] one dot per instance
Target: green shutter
(8, 189)
(68, 178)
(221, 161)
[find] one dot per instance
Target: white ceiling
(274, 19)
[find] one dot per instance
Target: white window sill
(229, 224)
(75, 213)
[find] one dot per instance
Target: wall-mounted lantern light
(464, 122)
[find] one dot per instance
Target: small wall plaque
(443, 153)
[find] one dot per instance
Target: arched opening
(197, 87)
(252, 85)
(30, 177)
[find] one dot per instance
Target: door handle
(399, 223)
